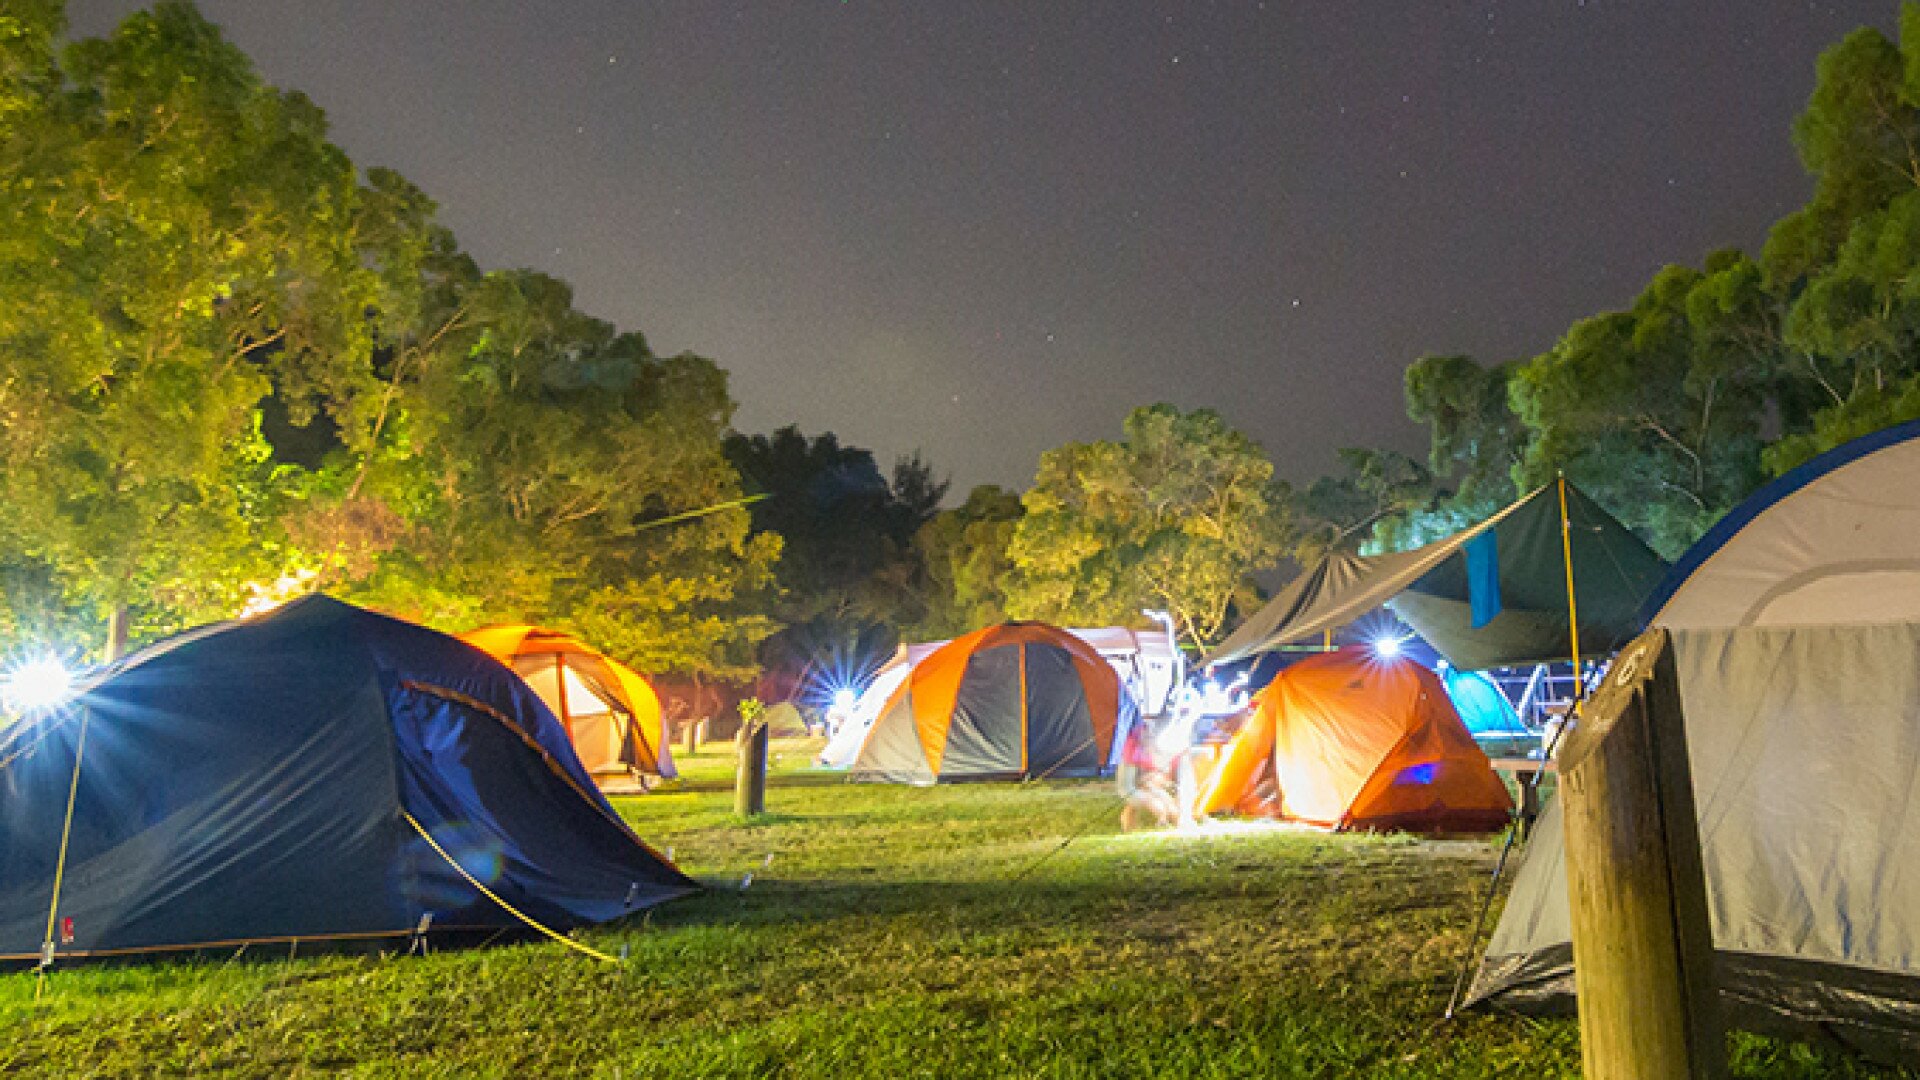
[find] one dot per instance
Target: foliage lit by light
(263, 597)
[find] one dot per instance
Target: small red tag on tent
(66, 930)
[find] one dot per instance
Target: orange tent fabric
(1019, 699)
(1351, 740)
(608, 709)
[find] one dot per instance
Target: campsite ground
(966, 931)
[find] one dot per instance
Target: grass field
(967, 931)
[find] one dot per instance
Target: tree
(1381, 491)
(848, 574)
(1176, 516)
(833, 509)
(1648, 413)
(1849, 258)
(176, 245)
(542, 466)
(963, 563)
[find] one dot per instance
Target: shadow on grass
(709, 785)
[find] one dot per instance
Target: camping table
(1522, 769)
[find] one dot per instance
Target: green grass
(967, 931)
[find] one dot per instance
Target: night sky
(984, 229)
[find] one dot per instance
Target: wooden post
(750, 779)
(1642, 940)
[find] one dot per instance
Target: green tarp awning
(1521, 589)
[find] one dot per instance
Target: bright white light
(843, 700)
(36, 685)
(1386, 647)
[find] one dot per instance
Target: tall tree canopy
(542, 466)
(1645, 412)
(964, 562)
(227, 358)
(848, 574)
(1177, 516)
(1850, 259)
(177, 242)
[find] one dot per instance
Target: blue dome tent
(1482, 707)
(310, 776)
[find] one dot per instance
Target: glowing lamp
(36, 685)
(842, 699)
(1386, 647)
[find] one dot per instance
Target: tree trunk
(117, 633)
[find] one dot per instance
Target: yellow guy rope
(489, 893)
(60, 864)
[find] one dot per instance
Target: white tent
(1147, 661)
(1835, 542)
(843, 745)
(1796, 635)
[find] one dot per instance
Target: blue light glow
(1418, 774)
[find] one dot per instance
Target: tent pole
(560, 690)
(1024, 749)
(60, 862)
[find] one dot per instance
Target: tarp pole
(60, 863)
(1522, 821)
(1573, 606)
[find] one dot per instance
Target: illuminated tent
(845, 742)
(296, 778)
(1015, 701)
(1796, 636)
(1350, 740)
(1482, 707)
(1494, 595)
(610, 712)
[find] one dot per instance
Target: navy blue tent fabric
(247, 782)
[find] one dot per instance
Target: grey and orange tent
(1020, 700)
(1352, 740)
(608, 710)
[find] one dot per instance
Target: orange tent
(609, 711)
(1351, 740)
(1019, 700)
